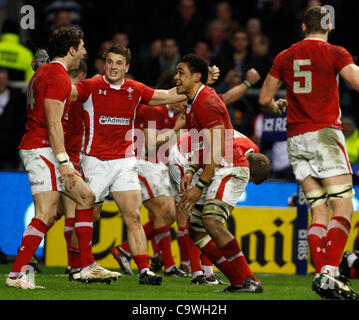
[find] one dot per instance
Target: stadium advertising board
(263, 223)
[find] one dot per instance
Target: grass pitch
(57, 287)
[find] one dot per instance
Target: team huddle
(175, 151)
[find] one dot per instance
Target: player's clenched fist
(252, 76)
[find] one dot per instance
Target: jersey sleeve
(57, 89)
(145, 92)
(84, 89)
(341, 58)
(275, 71)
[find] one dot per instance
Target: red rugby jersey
(206, 111)
(160, 118)
(50, 81)
(109, 115)
(309, 69)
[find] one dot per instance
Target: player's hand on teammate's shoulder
(213, 74)
(253, 76)
(281, 106)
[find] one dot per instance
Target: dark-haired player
(316, 144)
(43, 153)
(109, 164)
(225, 174)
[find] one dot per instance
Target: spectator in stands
(224, 14)
(187, 26)
(253, 28)
(261, 58)
(165, 61)
(15, 57)
(351, 134)
(122, 39)
(12, 122)
(99, 63)
(62, 19)
(216, 38)
(67, 12)
(202, 49)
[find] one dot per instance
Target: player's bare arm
(54, 110)
(161, 97)
(266, 96)
(238, 91)
(350, 73)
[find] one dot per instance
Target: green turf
(276, 287)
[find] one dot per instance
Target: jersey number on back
(30, 95)
(306, 74)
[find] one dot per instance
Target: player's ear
(72, 51)
(304, 28)
(197, 76)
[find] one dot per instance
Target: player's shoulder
(91, 83)
(53, 71)
(209, 97)
(130, 83)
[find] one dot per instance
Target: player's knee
(211, 223)
(317, 197)
(215, 213)
(132, 219)
(340, 191)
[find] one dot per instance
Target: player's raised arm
(266, 96)
(238, 91)
(350, 73)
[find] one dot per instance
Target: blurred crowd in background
(234, 35)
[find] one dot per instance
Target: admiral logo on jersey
(114, 120)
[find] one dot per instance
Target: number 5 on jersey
(306, 74)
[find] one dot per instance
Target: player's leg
(222, 195)
(317, 232)
(340, 193)
(183, 238)
(163, 210)
(43, 173)
(129, 204)
(45, 211)
(68, 207)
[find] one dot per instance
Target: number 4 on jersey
(306, 74)
(30, 95)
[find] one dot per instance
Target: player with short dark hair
(225, 175)
(109, 163)
(50, 172)
(316, 144)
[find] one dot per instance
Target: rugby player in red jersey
(225, 175)
(43, 153)
(109, 164)
(316, 144)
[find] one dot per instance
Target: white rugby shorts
(105, 176)
(42, 169)
(228, 184)
(177, 166)
(320, 154)
(154, 180)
